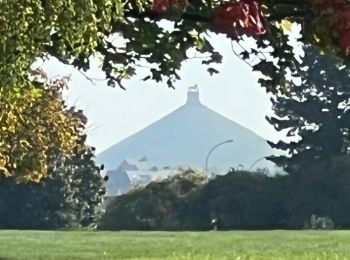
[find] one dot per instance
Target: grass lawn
(175, 245)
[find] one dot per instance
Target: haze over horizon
(185, 136)
(114, 114)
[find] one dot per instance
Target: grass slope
(175, 245)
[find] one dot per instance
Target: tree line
(315, 197)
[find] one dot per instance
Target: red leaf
(239, 17)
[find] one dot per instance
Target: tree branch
(157, 16)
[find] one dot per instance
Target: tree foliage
(70, 195)
(127, 34)
(158, 205)
(240, 200)
(51, 179)
(35, 120)
(156, 34)
(318, 189)
(317, 111)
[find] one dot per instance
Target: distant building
(134, 173)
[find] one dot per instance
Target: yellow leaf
(25, 143)
(4, 171)
(286, 26)
(316, 38)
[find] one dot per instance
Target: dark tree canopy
(317, 110)
(69, 196)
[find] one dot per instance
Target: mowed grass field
(175, 245)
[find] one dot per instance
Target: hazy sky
(115, 114)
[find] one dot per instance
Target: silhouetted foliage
(69, 196)
(237, 200)
(317, 111)
(52, 180)
(156, 206)
(321, 189)
(240, 200)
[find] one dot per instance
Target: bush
(156, 206)
(238, 200)
(321, 190)
(69, 197)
